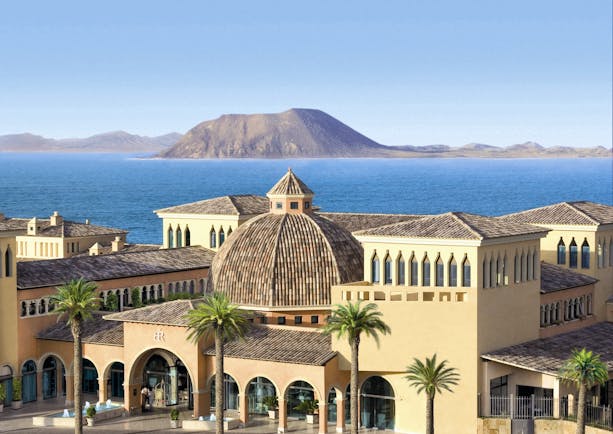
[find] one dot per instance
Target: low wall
(555, 426)
(493, 426)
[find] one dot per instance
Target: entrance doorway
(169, 384)
(377, 405)
(117, 380)
(49, 378)
(28, 381)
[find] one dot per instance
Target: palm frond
(351, 320)
(431, 377)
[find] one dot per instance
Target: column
(39, 384)
(323, 417)
(340, 413)
(131, 397)
(102, 392)
(202, 402)
(243, 406)
(571, 405)
(556, 398)
(69, 389)
(282, 416)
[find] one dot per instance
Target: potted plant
(2, 397)
(174, 418)
(310, 408)
(17, 403)
(272, 404)
(89, 415)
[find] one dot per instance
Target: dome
(286, 259)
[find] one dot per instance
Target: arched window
(535, 264)
(201, 286)
(126, 297)
(143, 296)
(530, 264)
(505, 271)
(561, 252)
(41, 306)
(213, 238)
(466, 272)
(28, 381)
(585, 254)
(524, 267)
(222, 237)
(160, 291)
(230, 231)
(400, 269)
(440, 272)
(414, 272)
(377, 404)
(572, 259)
(191, 286)
(179, 237)
(170, 288)
(188, 237)
(32, 309)
(24, 308)
(485, 271)
(374, 269)
(151, 293)
(8, 262)
(170, 237)
(425, 270)
(453, 272)
(493, 271)
(387, 277)
(517, 268)
(588, 302)
(604, 253)
(498, 271)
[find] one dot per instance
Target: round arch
(377, 403)
(257, 389)
(296, 392)
(28, 380)
(114, 373)
(6, 379)
(42, 358)
(231, 391)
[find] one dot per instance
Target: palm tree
(351, 321)
(76, 300)
(217, 317)
(585, 370)
(431, 378)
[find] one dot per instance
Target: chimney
(56, 219)
(118, 244)
(86, 221)
(33, 226)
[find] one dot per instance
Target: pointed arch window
(387, 277)
(505, 270)
(425, 269)
(524, 267)
(493, 272)
(179, 237)
(600, 256)
(530, 265)
(440, 272)
(466, 272)
(561, 252)
(453, 272)
(213, 238)
(604, 253)
(516, 268)
(41, 307)
(8, 262)
(375, 269)
(170, 237)
(230, 231)
(572, 251)
(222, 237)
(585, 254)
(485, 271)
(414, 272)
(188, 237)
(400, 270)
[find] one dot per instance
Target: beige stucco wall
(41, 247)
(199, 228)
(8, 301)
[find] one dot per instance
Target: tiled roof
(290, 184)
(55, 272)
(280, 345)
(555, 278)
(67, 229)
(566, 213)
(14, 224)
(167, 313)
(286, 260)
(246, 204)
(359, 221)
(106, 249)
(95, 331)
(454, 225)
(548, 355)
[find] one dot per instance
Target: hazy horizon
(401, 72)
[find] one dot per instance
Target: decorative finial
(289, 169)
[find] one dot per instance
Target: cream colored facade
(208, 231)
(8, 315)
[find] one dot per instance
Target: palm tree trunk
(77, 368)
(355, 346)
(219, 383)
(430, 415)
(581, 410)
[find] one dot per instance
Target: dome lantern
(290, 196)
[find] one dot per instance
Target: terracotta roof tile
(548, 355)
(67, 228)
(290, 184)
(168, 313)
(280, 345)
(555, 278)
(247, 204)
(95, 331)
(55, 272)
(566, 213)
(359, 221)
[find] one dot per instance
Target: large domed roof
(288, 259)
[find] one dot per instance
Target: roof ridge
(457, 216)
(572, 206)
(360, 232)
(231, 199)
(275, 251)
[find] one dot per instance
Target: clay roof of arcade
(359, 221)
(566, 213)
(454, 225)
(54, 272)
(95, 331)
(107, 249)
(67, 229)
(555, 278)
(290, 184)
(280, 345)
(548, 355)
(167, 313)
(245, 204)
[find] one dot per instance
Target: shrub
(271, 402)
(135, 297)
(90, 412)
(16, 389)
(174, 414)
(112, 302)
(308, 406)
(2, 393)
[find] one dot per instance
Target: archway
(50, 377)
(6, 379)
(28, 381)
(377, 405)
(116, 378)
(297, 392)
(257, 390)
(168, 380)
(89, 378)
(230, 392)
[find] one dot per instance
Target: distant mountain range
(296, 133)
(115, 141)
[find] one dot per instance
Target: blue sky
(401, 72)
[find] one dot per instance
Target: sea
(122, 191)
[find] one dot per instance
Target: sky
(401, 72)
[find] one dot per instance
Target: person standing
(144, 394)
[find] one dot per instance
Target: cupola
(290, 196)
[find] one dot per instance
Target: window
(561, 252)
(517, 269)
(314, 319)
(298, 319)
(307, 205)
(440, 272)
(32, 309)
(179, 237)
(572, 260)
(375, 269)
(279, 205)
(222, 237)
(293, 205)
(41, 307)
(425, 271)
(585, 254)
(505, 275)
(24, 308)
(213, 238)
(530, 267)
(170, 237)
(400, 270)
(499, 386)
(188, 237)
(453, 272)
(8, 263)
(466, 272)
(388, 270)
(414, 268)
(281, 320)
(524, 268)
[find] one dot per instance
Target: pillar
(282, 416)
(243, 406)
(556, 398)
(102, 389)
(340, 413)
(202, 402)
(571, 405)
(323, 417)
(39, 383)
(69, 389)
(131, 397)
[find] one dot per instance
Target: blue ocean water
(122, 191)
